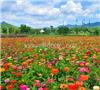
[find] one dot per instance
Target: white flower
(96, 88)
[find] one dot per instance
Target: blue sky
(43, 13)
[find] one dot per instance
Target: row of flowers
(50, 63)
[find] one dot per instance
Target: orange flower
(63, 86)
(78, 84)
(81, 88)
(24, 64)
(83, 77)
(55, 71)
(74, 58)
(66, 69)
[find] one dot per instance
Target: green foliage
(63, 30)
(7, 28)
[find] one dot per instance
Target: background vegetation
(7, 28)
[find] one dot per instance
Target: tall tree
(63, 30)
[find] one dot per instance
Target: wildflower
(63, 86)
(82, 70)
(50, 66)
(7, 80)
(38, 84)
(44, 85)
(94, 57)
(6, 66)
(85, 57)
(2, 69)
(88, 53)
(55, 71)
(10, 64)
(78, 83)
(82, 64)
(13, 73)
(72, 87)
(74, 58)
(1, 87)
(24, 64)
(83, 77)
(70, 78)
(9, 87)
(19, 74)
(14, 67)
(41, 88)
(50, 80)
(20, 67)
(66, 69)
(13, 81)
(23, 87)
(96, 88)
(81, 88)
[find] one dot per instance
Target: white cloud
(48, 14)
(72, 7)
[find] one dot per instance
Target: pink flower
(40, 88)
(7, 80)
(38, 84)
(50, 80)
(82, 70)
(44, 85)
(23, 87)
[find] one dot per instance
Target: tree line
(60, 30)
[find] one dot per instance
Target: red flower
(72, 87)
(55, 71)
(9, 87)
(66, 69)
(19, 74)
(14, 67)
(6, 66)
(88, 53)
(1, 87)
(12, 72)
(13, 81)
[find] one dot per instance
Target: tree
(63, 30)
(24, 29)
(96, 32)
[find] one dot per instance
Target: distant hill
(95, 24)
(7, 25)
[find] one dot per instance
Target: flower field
(50, 63)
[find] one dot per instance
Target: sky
(44, 13)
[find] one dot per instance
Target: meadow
(50, 63)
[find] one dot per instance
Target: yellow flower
(2, 69)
